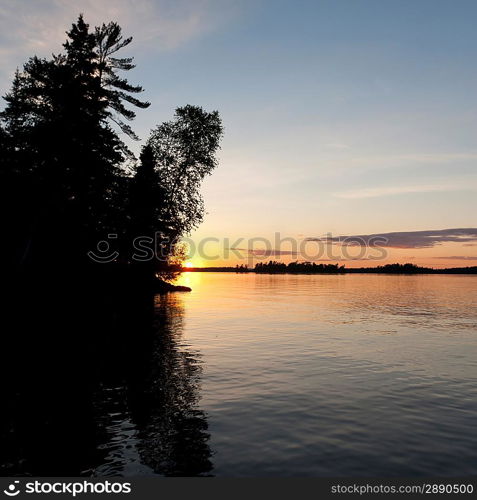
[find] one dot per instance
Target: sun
(188, 264)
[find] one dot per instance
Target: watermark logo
(103, 252)
(327, 248)
(12, 489)
(73, 489)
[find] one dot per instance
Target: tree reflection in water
(97, 384)
(154, 424)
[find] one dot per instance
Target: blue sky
(350, 117)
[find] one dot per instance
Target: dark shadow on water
(96, 382)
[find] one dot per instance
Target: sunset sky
(342, 118)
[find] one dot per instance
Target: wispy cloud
(404, 239)
(456, 257)
(30, 27)
(353, 161)
(340, 146)
(374, 192)
(264, 252)
(344, 259)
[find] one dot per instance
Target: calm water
(286, 375)
(247, 375)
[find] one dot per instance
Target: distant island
(276, 267)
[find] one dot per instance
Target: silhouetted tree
(165, 197)
(109, 40)
(64, 165)
(62, 147)
(146, 195)
(185, 152)
(65, 183)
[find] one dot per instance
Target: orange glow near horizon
(447, 255)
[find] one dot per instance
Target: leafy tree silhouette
(179, 154)
(66, 170)
(184, 150)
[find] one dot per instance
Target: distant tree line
(407, 268)
(277, 267)
(67, 178)
(412, 269)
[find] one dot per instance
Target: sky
(342, 118)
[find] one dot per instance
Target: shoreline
(430, 271)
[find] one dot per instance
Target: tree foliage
(184, 152)
(64, 162)
(64, 179)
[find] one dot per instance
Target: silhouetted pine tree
(62, 148)
(109, 41)
(146, 196)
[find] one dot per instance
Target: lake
(302, 375)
